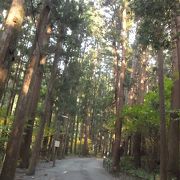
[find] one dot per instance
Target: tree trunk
(137, 149)
(85, 150)
(16, 83)
(163, 147)
(173, 143)
(60, 149)
(5, 93)
(9, 39)
(80, 139)
(27, 138)
(13, 146)
(141, 84)
(119, 97)
(118, 124)
(72, 136)
(50, 145)
(49, 100)
(56, 138)
(66, 139)
(76, 135)
(14, 87)
(4, 133)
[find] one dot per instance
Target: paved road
(71, 169)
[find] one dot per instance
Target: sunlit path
(71, 169)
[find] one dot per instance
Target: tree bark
(119, 97)
(72, 136)
(141, 84)
(5, 93)
(56, 138)
(9, 39)
(76, 135)
(85, 150)
(38, 138)
(27, 138)
(49, 100)
(163, 147)
(13, 146)
(137, 149)
(173, 139)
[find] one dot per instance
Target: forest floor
(71, 169)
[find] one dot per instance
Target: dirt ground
(71, 169)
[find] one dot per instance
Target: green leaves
(155, 21)
(146, 116)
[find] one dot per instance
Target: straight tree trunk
(120, 78)
(50, 145)
(5, 93)
(46, 116)
(141, 83)
(85, 150)
(14, 87)
(9, 39)
(137, 149)
(27, 138)
(49, 100)
(56, 138)
(38, 138)
(72, 136)
(66, 150)
(66, 137)
(80, 139)
(173, 143)
(118, 124)
(13, 146)
(32, 102)
(163, 146)
(60, 150)
(76, 135)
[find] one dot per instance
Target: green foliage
(146, 116)
(68, 12)
(5, 125)
(126, 163)
(110, 123)
(155, 21)
(3, 112)
(128, 167)
(95, 22)
(107, 164)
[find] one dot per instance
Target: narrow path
(71, 169)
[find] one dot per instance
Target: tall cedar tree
(8, 40)
(13, 146)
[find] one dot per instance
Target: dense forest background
(100, 77)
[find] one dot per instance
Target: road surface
(71, 169)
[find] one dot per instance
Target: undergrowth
(128, 168)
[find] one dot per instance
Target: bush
(107, 164)
(128, 167)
